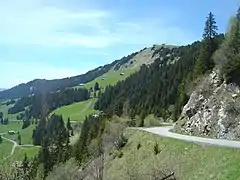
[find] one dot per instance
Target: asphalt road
(164, 131)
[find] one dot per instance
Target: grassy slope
(110, 78)
(5, 149)
(11, 126)
(187, 160)
(4, 110)
(77, 111)
(26, 137)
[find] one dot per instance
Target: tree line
(46, 102)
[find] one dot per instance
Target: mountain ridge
(44, 85)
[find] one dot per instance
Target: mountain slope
(119, 72)
(40, 85)
(153, 89)
(128, 65)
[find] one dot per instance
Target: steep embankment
(139, 161)
(212, 110)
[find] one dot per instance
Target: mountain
(136, 59)
(2, 89)
(155, 88)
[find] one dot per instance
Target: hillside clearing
(110, 78)
(4, 110)
(77, 111)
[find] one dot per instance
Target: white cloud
(34, 22)
(46, 25)
(22, 72)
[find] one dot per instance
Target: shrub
(121, 142)
(118, 154)
(139, 146)
(156, 149)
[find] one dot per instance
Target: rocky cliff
(212, 110)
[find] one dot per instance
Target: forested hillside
(41, 104)
(43, 85)
(159, 89)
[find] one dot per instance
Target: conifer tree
(228, 58)
(209, 45)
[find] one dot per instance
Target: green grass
(20, 152)
(26, 138)
(18, 155)
(77, 111)
(26, 135)
(15, 126)
(6, 146)
(5, 149)
(4, 110)
(110, 78)
(187, 160)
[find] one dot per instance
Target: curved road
(164, 131)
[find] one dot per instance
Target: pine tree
(19, 139)
(209, 45)
(0, 139)
(69, 127)
(25, 164)
(229, 59)
(96, 86)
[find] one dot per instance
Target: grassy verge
(77, 111)
(186, 160)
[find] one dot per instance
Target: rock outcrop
(212, 110)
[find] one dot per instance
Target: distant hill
(2, 89)
(144, 56)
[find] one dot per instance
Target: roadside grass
(187, 160)
(153, 121)
(77, 111)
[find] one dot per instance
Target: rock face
(212, 110)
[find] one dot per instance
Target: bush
(119, 154)
(139, 146)
(156, 149)
(121, 142)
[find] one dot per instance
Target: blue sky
(60, 38)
